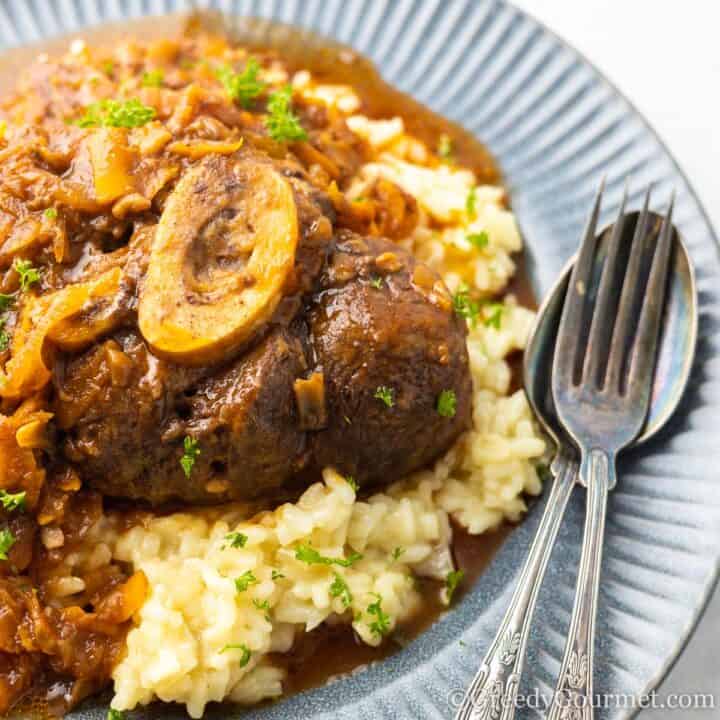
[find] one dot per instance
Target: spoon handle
(493, 692)
(574, 693)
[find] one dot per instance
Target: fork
(601, 388)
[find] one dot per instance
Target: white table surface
(664, 57)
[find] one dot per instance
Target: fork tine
(643, 355)
(627, 300)
(603, 318)
(566, 347)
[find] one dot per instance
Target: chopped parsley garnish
(7, 540)
(247, 579)
(108, 67)
(478, 240)
(339, 588)
(453, 579)
(471, 203)
(381, 625)
(447, 403)
(359, 199)
(50, 213)
(377, 282)
(350, 480)
(6, 301)
(113, 113)
(311, 556)
(277, 575)
(264, 607)
(153, 78)
(235, 540)
(465, 305)
(445, 147)
(246, 654)
(493, 315)
(115, 715)
(190, 455)
(28, 274)
(282, 124)
(4, 336)
(397, 552)
(385, 394)
(242, 87)
(12, 501)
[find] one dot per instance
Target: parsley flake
(478, 240)
(12, 501)
(381, 625)
(471, 203)
(447, 403)
(242, 87)
(453, 579)
(243, 582)
(112, 113)
(108, 67)
(28, 274)
(235, 540)
(465, 305)
(246, 654)
(311, 556)
(115, 715)
(6, 301)
(339, 588)
(493, 315)
(50, 213)
(282, 124)
(397, 553)
(190, 455)
(277, 575)
(385, 394)
(377, 282)
(153, 78)
(350, 480)
(445, 147)
(264, 607)
(7, 540)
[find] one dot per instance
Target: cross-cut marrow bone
(221, 255)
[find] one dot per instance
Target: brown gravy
(329, 652)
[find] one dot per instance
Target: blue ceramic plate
(555, 126)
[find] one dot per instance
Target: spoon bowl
(676, 346)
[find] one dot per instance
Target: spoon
(494, 688)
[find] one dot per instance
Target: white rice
(177, 650)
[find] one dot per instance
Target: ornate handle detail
(574, 692)
(492, 694)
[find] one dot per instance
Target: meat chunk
(125, 430)
(306, 396)
(383, 327)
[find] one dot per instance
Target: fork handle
(574, 692)
(493, 692)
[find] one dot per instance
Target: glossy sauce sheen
(329, 652)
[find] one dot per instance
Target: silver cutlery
(494, 690)
(601, 385)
